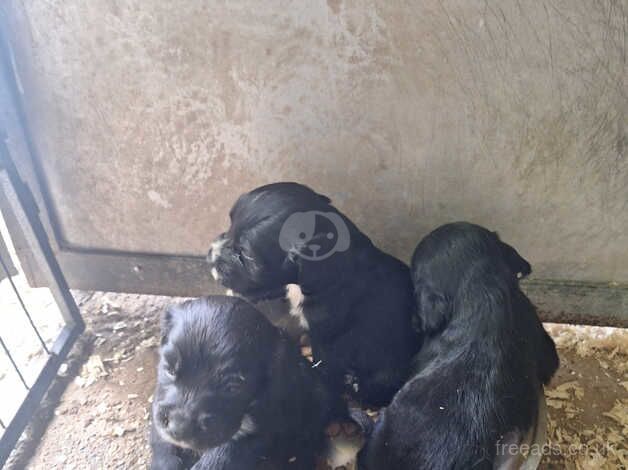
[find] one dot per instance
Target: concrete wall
(151, 117)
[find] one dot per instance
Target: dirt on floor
(97, 413)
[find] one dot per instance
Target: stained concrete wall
(151, 117)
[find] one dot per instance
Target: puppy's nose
(215, 249)
(205, 421)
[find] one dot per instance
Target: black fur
(358, 301)
(485, 357)
(223, 364)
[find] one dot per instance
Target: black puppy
(355, 300)
(234, 393)
(480, 373)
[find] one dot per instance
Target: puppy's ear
(315, 275)
(343, 237)
(434, 309)
(517, 264)
(167, 320)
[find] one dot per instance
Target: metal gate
(19, 208)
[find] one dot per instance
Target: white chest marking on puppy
(295, 297)
(217, 249)
(247, 426)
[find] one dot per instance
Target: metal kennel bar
(5, 268)
(12, 361)
(24, 213)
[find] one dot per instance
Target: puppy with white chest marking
(234, 393)
(355, 300)
(478, 378)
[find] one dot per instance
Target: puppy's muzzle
(213, 255)
(174, 423)
(215, 249)
(180, 427)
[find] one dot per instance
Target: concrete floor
(100, 420)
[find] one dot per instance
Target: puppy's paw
(344, 448)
